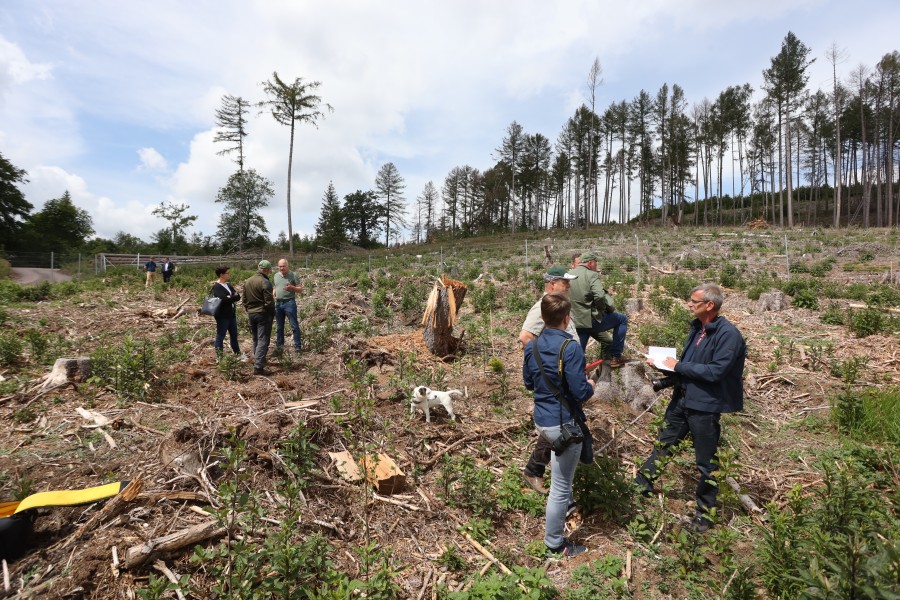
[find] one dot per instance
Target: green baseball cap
(264, 264)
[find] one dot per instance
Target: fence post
(51, 266)
(787, 258)
(526, 256)
(637, 245)
(79, 266)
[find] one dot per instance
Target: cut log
(346, 466)
(773, 301)
(383, 473)
(138, 555)
(441, 315)
(64, 370)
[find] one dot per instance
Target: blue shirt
(547, 409)
(151, 266)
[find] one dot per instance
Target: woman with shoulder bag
(554, 369)
(226, 316)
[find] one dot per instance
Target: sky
(114, 101)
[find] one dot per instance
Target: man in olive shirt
(593, 311)
(259, 300)
(286, 285)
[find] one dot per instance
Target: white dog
(427, 398)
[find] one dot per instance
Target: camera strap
(556, 392)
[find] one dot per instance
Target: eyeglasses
(701, 301)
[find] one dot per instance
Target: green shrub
(833, 315)
(806, 298)
(603, 487)
(678, 286)
(464, 484)
(521, 583)
(866, 322)
(10, 348)
(511, 496)
(127, 369)
(483, 298)
(5, 269)
(869, 416)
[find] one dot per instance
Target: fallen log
(141, 553)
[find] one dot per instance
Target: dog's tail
(457, 392)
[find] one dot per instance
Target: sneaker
(263, 371)
(701, 524)
(571, 510)
(618, 361)
(568, 549)
(534, 482)
(243, 358)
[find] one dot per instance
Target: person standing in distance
(259, 300)
(150, 267)
(709, 382)
(286, 286)
(168, 267)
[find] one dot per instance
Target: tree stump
(634, 305)
(773, 301)
(441, 315)
(68, 369)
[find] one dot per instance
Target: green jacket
(258, 296)
(589, 299)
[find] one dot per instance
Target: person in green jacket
(593, 309)
(259, 300)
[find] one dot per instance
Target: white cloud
(151, 160)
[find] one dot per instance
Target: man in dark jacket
(708, 382)
(260, 304)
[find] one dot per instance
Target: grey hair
(711, 293)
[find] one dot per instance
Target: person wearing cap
(259, 301)
(556, 281)
(604, 337)
(286, 285)
(593, 311)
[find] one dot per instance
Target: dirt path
(28, 275)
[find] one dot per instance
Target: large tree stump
(441, 314)
(773, 301)
(68, 369)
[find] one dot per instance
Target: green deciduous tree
(232, 124)
(178, 222)
(59, 227)
(330, 230)
(245, 194)
(14, 208)
(389, 186)
(289, 104)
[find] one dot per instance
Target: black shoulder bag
(568, 433)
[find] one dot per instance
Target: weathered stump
(773, 301)
(441, 314)
(634, 305)
(64, 370)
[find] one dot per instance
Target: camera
(569, 433)
(663, 382)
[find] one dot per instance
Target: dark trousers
(261, 328)
(540, 457)
(227, 325)
(704, 429)
(166, 276)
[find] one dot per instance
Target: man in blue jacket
(563, 362)
(708, 382)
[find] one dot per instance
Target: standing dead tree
(441, 315)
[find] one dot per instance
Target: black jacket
(226, 307)
(711, 379)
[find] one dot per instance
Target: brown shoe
(534, 482)
(618, 361)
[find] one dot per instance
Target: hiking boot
(568, 549)
(534, 482)
(701, 524)
(618, 361)
(262, 371)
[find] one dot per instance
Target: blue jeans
(616, 321)
(287, 308)
(227, 325)
(562, 474)
(261, 328)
